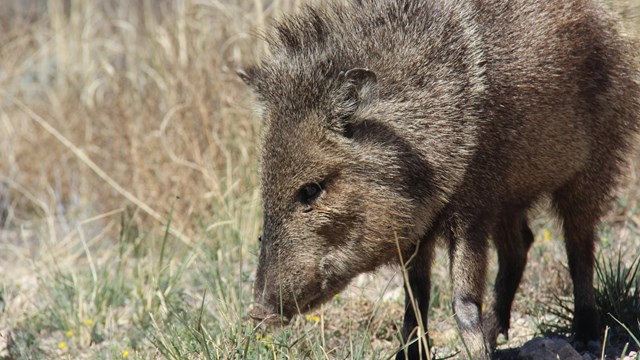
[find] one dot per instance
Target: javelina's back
(562, 90)
(390, 123)
(536, 75)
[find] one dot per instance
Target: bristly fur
(412, 120)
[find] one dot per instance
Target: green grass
(617, 284)
(618, 295)
(129, 202)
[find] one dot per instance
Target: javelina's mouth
(259, 313)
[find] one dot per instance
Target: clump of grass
(553, 316)
(618, 297)
(617, 286)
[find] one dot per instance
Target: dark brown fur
(415, 120)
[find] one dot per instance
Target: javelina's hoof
(413, 353)
(492, 329)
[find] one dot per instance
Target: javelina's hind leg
(579, 203)
(512, 238)
(419, 274)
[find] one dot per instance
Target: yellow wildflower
(69, 334)
(62, 345)
(546, 236)
(266, 340)
(263, 337)
(88, 322)
(125, 354)
(314, 318)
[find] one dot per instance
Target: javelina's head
(343, 193)
(335, 194)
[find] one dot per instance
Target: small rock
(632, 356)
(548, 349)
(5, 343)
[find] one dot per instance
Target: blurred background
(129, 203)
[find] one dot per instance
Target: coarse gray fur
(391, 123)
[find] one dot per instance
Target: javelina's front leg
(417, 297)
(468, 261)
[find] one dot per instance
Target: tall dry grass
(118, 120)
(107, 104)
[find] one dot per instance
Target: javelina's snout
(294, 276)
(262, 314)
(284, 286)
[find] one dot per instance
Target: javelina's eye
(310, 192)
(260, 238)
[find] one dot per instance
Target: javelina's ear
(361, 77)
(363, 85)
(358, 89)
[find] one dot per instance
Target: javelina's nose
(260, 313)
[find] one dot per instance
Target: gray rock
(5, 343)
(548, 349)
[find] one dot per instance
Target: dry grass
(145, 91)
(128, 192)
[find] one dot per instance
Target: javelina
(391, 123)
